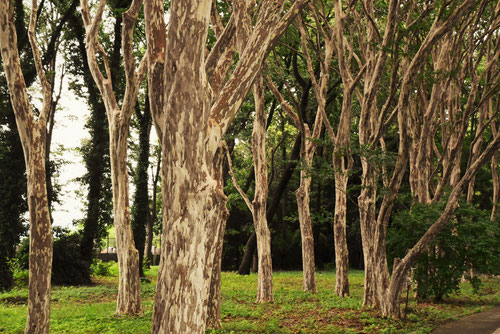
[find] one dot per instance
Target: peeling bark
(32, 133)
(265, 268)
(129, 288)
(190, 127)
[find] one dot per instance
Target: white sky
(69, 131)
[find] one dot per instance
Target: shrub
(468, 241)
(99, 268)
(20, 276)
(68, 268)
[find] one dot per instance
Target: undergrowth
(90, 309)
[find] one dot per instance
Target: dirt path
(487, 322)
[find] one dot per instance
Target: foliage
(468, 242)
(100, 268)
(68, 267)
(20, 275)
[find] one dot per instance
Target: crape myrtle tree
(95, 151)
(12, 170)
(307, 151)
(190, 125)
(129, 289)
(411, 48)
(259, 204)
(32, 129)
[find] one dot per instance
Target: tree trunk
(308, 264)
(191, 214)
(251, 245)
(366, 203)
(214, 300)
(496, 185)
(246, 262)
(129, 287)
(97, 161)
(32, 133)
(141, 214)
(188, 251)
(339, 229)
(40, 259)
(190, 137)
(152, 215)
(265, 271)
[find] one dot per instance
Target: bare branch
(235, 182)
(46, 85)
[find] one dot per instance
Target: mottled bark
(265, 268)
(190, 137)
(302, 194)
(389, 289)
(129, 288)
(339, 229)
(152, 216)
(308, 266)
(214, 300)
(251, 244)
(243, 21)
(32, 133)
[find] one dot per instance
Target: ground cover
(90, 309)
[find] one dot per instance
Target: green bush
(20, 276)
(68, 268)
(99, 268)
(469, 241)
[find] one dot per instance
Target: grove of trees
(290, 134)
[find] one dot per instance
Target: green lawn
(91, 309)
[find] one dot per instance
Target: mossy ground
(90, 309)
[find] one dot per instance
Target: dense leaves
(466, 246)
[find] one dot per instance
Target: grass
(90, 309)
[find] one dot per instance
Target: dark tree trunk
(141, 214)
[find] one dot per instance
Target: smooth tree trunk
(191, 126)
(265, 268)
(152, 216)
(302, 195)
(129, 288)
(340, 235)
(214, 300)
(251, 244)
(129, 284)
(40, 254)
(32, 132)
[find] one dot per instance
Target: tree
(13, 170)
(129, 290)
(32, 132)
(141, 213)
(191, 125)
(95, 152)
(381, 289)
